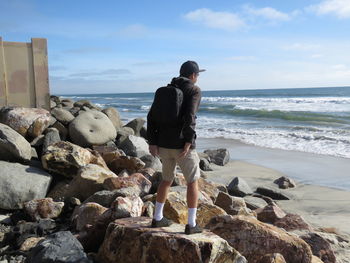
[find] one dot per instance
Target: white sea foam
(145, 107)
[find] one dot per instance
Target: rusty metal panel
(24, 74)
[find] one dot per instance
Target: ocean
(315, 120)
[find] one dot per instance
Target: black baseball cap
(190, 67)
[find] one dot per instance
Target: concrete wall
(24, 78)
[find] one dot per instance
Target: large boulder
(43, 208)
(218, 156)
(239, 187)
(130, 206)
(320, 247)
(88, 181)
(66, 158)
(255, 239)
(233, 205)
(114, 116)
(162, 244)
(136, 125)
(62, 115)
(272, 192)
(87, 214)
(91, 128)
(152, 162)
(13, 146)
(29, 122)
(131, 164)
(20, 183)
(270, 214)
(60, 247)
(292, 222)
(134, 146)
(136, 180)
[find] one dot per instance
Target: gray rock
(219, 156)
(123, 133)
(239, 187)
(63, 131)
(52, 120)
(60, 247)
(91, 128)
(136, 125)
(134, 146)
(62, 115)
(68, 104)
(13, 146)
(75, 111)
(104, 198)
(273, 193)
(253, 202)
(52, 136)
(143, 132)
(20, 183)
(34, 153)
(204, 164)
(52, 104)
(38, 141)
(152, 162)
(284, 182)
(114, 116)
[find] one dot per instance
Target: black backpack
(167, 106)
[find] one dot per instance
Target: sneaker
(193, 230)
(164, 222)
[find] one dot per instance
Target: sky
(138, 46)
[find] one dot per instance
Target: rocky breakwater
(77, 185)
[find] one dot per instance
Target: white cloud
(268, 13)
(221, 20)
(340, 8)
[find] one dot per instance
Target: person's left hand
(154, 150)
(185, 151)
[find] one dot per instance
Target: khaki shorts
(189, 164)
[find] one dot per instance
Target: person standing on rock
(174, 140)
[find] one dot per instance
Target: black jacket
(176, 137)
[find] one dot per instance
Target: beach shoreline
(319, 205)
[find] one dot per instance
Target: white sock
(158, 213)
(192, 214)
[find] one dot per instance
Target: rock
(63, 131)
(136, 180)
(255, 239)
(253, 202)
(130, 206)
(162, 244)
(134, 146)
(285, 182)
(89, 180)
(206, 212)
(62, 115)
(273, 193)
(23, 230)
(320, 247)
(108, 153)
(219, 156)
(58, 191)
(68, 103)
(292, 222)
(91, 128)
(38, 141)
(43, 208)
(316, 260)
(143, 133)
(209, 188)
(104, 198)
(233, 205)
(114, 116)
(131, 164)
(270, 213)
(152, 162)
(13, 146)
(29, 122)
(29, 243)
(87, 214)
(75, 111)
(272, 258)
(52, 104)
(52, 120)
(52, 136)
(20, 183)
(66, 159)
(239, 187)
(148, 173)
(148, 209)
(204, 165)
(60, 247)
(136, 125)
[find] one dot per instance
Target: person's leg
(190, 168)
(168, 173)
